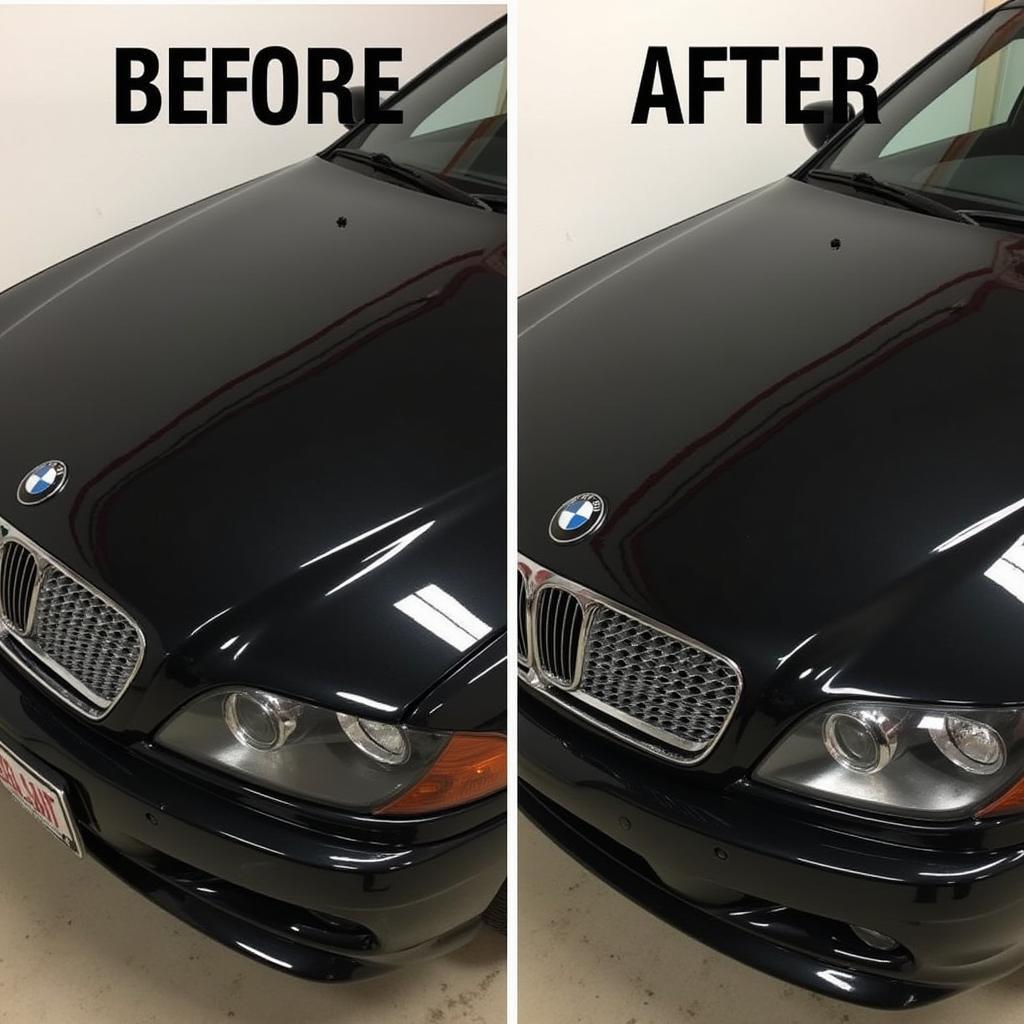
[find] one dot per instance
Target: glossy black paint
(323, 896)
(792, 405)
(282, 411)
(767, 486)
(243, 386)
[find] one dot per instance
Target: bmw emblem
(577, 518)
(43, 482)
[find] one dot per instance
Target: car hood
(282, 412)
(804, 411)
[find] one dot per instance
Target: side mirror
(827, 124)
(358, 94)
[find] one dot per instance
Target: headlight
(908, 759)
(333, 758)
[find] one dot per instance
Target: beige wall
(589, 181)
(71, 177)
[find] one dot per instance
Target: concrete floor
(588, 954)
(77, 946)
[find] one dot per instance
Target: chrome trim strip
(570, 698)
(525, 658)
(90, 704)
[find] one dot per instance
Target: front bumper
(775, 889)
(321, 903)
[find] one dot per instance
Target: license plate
(42, 799)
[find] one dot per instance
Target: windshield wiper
(864, 182)
(423, 180)
(1013, 220)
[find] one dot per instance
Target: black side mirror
(358, 94)
(828, 124)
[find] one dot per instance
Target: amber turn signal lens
(471, 766)
(1011, 802)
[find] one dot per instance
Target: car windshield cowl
(415, 177)
(452, 138)
(951, 133)
(861, 181)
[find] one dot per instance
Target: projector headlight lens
(911, 760)
(333, 758)
(382, 741)
(303, 750)
(973, 746)
(861, 741)
(260, 720)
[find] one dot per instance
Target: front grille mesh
(559, 619)
(18, 576)
(85, 635)
(652, 687)
(79, 645)
(658, 680)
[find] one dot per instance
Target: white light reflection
(362, 536)
(264, 956)
(385, 554)
(457, 612)
(861, 956)
(240, 651)
(203, 625)
(1008, 572)
(227, 643)
(249, 842)
(448, 619)
(840, 979)
(967, 871)
(489, 668)
(373, 705)
(847, 871)
(855, 691)
(981, 524)
(803, 643)
(371, 858)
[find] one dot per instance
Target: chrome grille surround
(523, 632)
(645, 683)
(19, 586)
(74, 641)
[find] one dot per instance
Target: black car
(252, 655)
(771, 620)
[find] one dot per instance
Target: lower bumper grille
(60, 630)
(651, 686)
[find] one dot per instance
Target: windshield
(955, 132)
(454, 122)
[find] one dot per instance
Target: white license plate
(42, 799)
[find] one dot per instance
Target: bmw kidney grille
(19, 575)
(61, 631)
(559, 618)
(648, 685)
